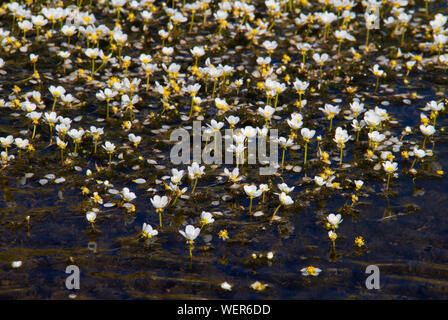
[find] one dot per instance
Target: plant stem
(388, 179)
(306, 149)
(283, 157)
(160, 218)
(250, 206)
(340, 159)
(273, 215)
(195, 183)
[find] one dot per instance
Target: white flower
(390, 167)
(252, 191)
(61, 144)
(283, 142)
(220, 15)
(109, 147)
(249, 132)
(168, 51)
(343, 35)
(372, 119)
(341, 137)
(377, 71)
(319, 180)
(148, 231)
(233, 120)
(427, 130)
(334, 219)
(307, 134)
(359, 184)
(159, 202)
(419, 153)
(300, 86)
(21, 143)
(434, 106)
(39, 21)
(221, 104)
(96, 132)
(195, 171)
(270, 45)
(190, 233)
(226, 286)
(106, 94)
(327, 17)
(382, 113)
(91, 216)
(233, 175)
(56, 91)
(285, 199)
(284, 188)
(320, 59)
(197, 51)
(263, 132)
(330, 110)
(128, 195)
(145, 58)
(215, 125)
(76, 135)
(16, 264)
(176, 175)
(6, 142)
(206, 218)
(377, 137)
(68, 30)
(263, 61)
(92, 53)
(357, 107)
(370, 20)
(267, 112)
(296, 121)
(34, 57)
(134, 139)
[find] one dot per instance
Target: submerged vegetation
(91, 91)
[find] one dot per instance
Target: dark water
(405, 229)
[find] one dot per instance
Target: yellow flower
(85, 190)
(369, 154)
(258, 286)
(351, 89)
(16, 89)
(310, 271)
(223, 234)
(335, 185)
(324, 156)
(359, 241)
(286, 59)
(97, 198)
(332, 235)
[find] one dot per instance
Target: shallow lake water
(404, 227)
